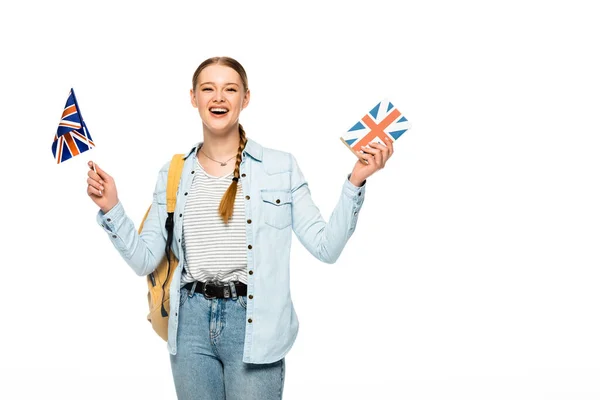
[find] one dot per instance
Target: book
(384, 120)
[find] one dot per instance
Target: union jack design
(72, 137)
(384, 120)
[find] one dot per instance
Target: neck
(221, 146)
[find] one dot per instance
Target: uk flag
(384, 120)
(72, 137)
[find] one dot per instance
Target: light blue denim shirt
(277, 201)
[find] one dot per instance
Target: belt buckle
(213, 282)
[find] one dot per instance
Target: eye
(231, 90)
(207, 89)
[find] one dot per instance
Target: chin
(219, 128)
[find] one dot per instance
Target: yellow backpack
(159, 281)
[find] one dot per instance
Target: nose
(218, 97)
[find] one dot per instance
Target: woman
(237, 204)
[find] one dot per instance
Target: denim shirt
(277, 202)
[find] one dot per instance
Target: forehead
(217, 73)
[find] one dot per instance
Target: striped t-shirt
(212, 249)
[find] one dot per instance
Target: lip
(216, 115)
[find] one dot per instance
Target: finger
(95, 184)
(361, 158)
(379, 152)
(372, 151)
(368, 158)
(95, 176)
(390, 145)
(378, 159)
(92, 191)
(102, 173)
(384, 149)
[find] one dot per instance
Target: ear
(246, 99)
(193, 98)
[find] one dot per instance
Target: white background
(474, 270)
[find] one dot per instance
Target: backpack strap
(175, 169)
(174, 175)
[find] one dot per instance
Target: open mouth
(218, 110)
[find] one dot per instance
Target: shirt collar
(253, 149)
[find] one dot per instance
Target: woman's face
(219, 96)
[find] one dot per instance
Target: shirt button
(250, 272)
(108, 219)
(355, 212)
(185, 194)
(180, 215)
(249, 221)
(359, 193)
(247, 197)
(193, 172)
(114, 236)
(277, 201)
(250, 297)
(250, 246)
(243, 175)
(250, 320)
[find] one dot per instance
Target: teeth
(218, 110)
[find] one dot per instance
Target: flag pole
(85, 133)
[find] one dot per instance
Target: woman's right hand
(101, 188)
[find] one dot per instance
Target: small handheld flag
(72, 137)
(384, 120)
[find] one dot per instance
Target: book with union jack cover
(72, 137)
(384, 120)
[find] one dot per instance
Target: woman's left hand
(376, 155)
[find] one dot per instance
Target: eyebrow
(212, 83)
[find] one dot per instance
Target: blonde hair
(228, 200)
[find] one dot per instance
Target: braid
(228, 200)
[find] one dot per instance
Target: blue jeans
(210, 344)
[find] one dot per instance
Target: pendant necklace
(220, 162)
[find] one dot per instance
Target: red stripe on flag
(82, 138)
(59, 148)
(69, 110)
(69, 124)
(377, 130)
(71, 145)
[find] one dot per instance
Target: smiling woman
(235, 321)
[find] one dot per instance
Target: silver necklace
(220, 162)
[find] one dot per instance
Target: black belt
(218, 290)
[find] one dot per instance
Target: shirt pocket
(277, 207)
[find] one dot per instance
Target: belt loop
(193, 289)
(233, 291)
(225, 291)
